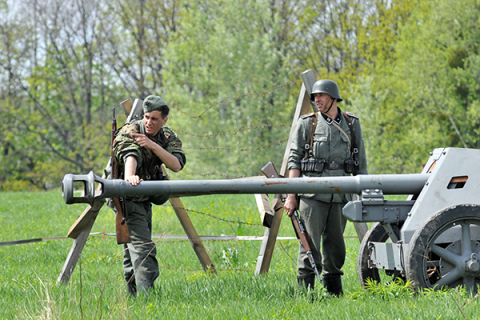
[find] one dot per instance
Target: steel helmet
(326, 86)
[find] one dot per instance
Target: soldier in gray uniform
(328, 143)
(140, 149)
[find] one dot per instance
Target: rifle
(270, 171)
(121, 228)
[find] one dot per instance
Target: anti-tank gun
(432, 238)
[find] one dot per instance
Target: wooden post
(127, 106)
(81, 228)
(92, 211)
(270, 236)
(265, 209)
(75, 252)
(303, 107)
(192, 235)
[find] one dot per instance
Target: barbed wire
(256, 95)
(234, 132)
(197, 270)
(156, 242)
(215, 217)
(117, 256)
(241, 149)
(286, 253)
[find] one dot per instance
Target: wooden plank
(127, 106)
(137, 111)
(192, 235)
(75, 252)
(91, 211)
(303, 107)
(269, 238)
(88, 215)
(83, 225)
(309, 79)
(265, 209)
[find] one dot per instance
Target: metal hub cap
(472, 266)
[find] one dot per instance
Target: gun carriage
(432, 238)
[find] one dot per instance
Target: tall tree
(136, 34)
(427, 96)
(62, 85)
(222, 68)
(15, 155)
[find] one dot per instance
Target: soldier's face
(322, 101)
(154, 122)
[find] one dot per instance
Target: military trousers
(140, 264)
(324, 225)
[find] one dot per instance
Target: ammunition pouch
(351, 163)
(159, 200)
(157, 173)
(318, 165)
(312, 165)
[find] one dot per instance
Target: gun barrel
(388, 183)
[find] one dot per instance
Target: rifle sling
(350, 126)
(308, 147)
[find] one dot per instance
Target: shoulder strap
(140, 125)
(350, 126)
(353, 147)
(308, 146)
(344, 133)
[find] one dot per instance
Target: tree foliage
(426, 96)
(231, 72)
(219, 79)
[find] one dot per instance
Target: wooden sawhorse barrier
(80, 230)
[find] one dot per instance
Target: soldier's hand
(134, 180)
(290, 204)
(142, 140)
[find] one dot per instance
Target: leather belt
(333, 166)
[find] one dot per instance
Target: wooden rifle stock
(270, 171)
(121, 228)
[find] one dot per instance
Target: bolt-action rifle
(270, 171)
(121, 228)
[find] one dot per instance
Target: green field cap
(152, 103)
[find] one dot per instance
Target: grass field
(29, 272)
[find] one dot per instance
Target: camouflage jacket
(148, 164)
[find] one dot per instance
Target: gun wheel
(445, 250)
(366, 272)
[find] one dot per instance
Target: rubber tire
(419, 246)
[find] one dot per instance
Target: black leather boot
(306, 282)
(132, 289)
(333, 284)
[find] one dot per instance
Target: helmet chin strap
(333, 100)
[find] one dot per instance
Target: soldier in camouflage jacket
(140, 149)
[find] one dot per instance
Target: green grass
(29, 272)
